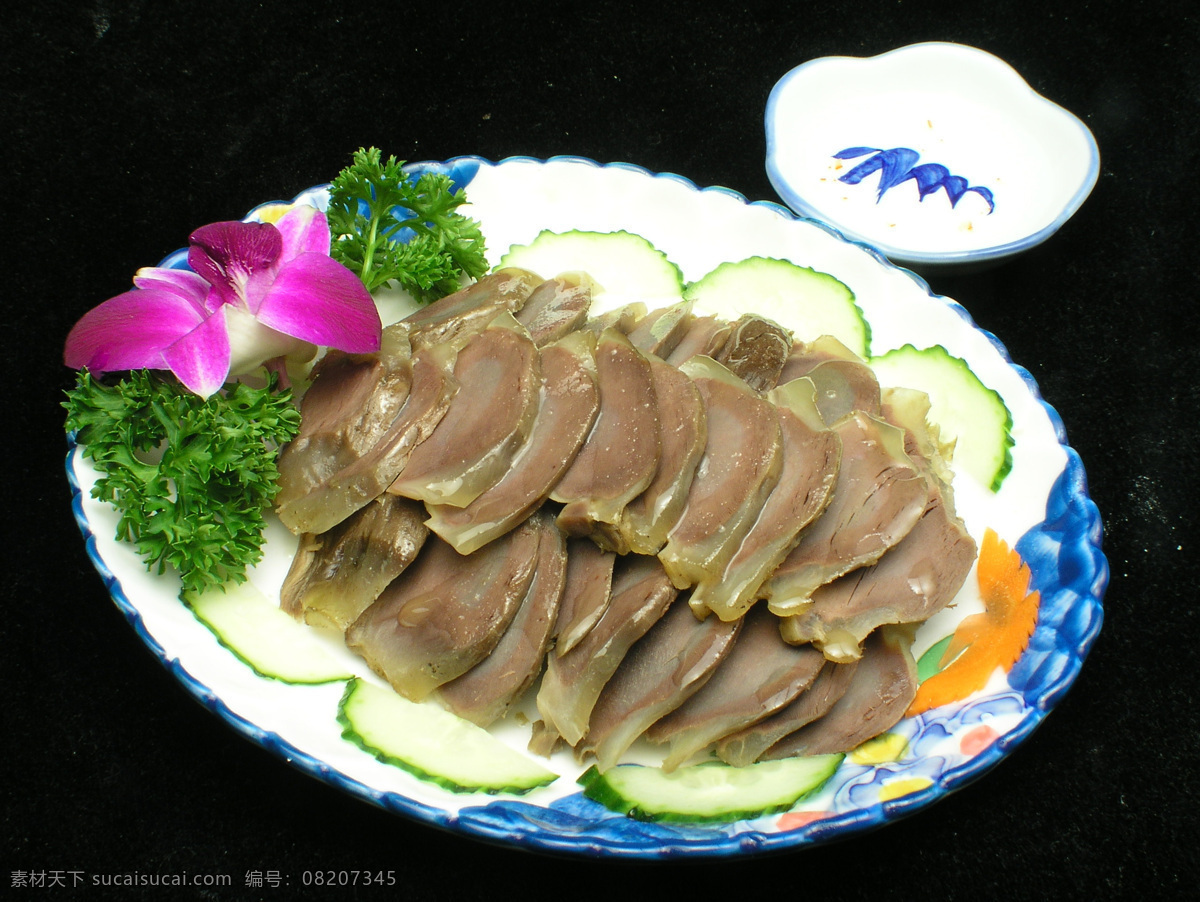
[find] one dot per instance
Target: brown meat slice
(742, 460)
(369, 474)
(660, 331)
(567, 410)
(557, 307)
(748, 744)
(883, 686)
(447, 613)
(351, 403)
(587, 593)
(499, 377)
(811, 456)
(472, 308)
(705, 336)
(620, 456)
(879, 497)
(672, 661)
(337, 574)
(683, 434)
(485, 693)
(755, 350)
(760, 675)
(572, 682)
(912, 582)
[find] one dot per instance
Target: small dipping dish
(936, 154)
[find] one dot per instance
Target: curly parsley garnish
(190, 477)
(388, 226)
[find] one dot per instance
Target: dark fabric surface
(128, 124)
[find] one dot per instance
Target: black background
(125, 125)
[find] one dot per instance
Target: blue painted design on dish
(899, 164)
(1068, 567)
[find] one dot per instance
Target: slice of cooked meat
(623, 319)
(804, 356)
(844, 386)
(572, 682)
(620, 456)
(472, 308)
(704, 337)
(683, 435)
(447, 613)
(490, 418)
(760, 675)
(811, 457)
(369, 474)
(351, 403)
(742, 460)
(755, 350)
(587, 593)
(749, 743)
(569, 403)
(485, 693)
(879, 497)
(912, 582)
(337, 574)
(883, 686)
(557, 307)
(659, 331)
(663, 669)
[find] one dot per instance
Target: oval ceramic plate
(935, 153)
(1041, 509)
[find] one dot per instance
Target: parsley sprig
(189, 477)
(386, 226)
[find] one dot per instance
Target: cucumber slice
(808, 302)
(625, 266)
(433, 744)
(965, 410)
(711, 791)
(264, 637)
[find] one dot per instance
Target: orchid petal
(304, 230)
(200, 359)
(130, 331)
(239, 260)
(182, 282)
(317, 299)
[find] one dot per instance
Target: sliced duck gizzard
(352, 402)
(587, 592)
(660, 331)
(557, 307)
(742, 460)
(663, 669)
(755, 350)
(337, 574)
(759, 676)
(620, 456)
(912, 582)
(369, 474)
(683, 435)
(499, 376)
(567, 409)
(811, 457)
(883, 686)
(447, 613)
(641, 594)
(471, 309)
(486, 692)
(879, 496)
(746, 745)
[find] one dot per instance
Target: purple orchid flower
(255, 291)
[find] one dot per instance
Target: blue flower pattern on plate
(899, 164)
